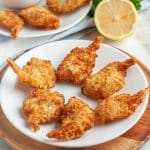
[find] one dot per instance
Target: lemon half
(115, 19)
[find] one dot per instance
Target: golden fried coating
(11, 21)
(36, 73)
(40, 17)
(43, 106)
(107, 81)
(77, 117)
(119, 106)
(66, 6)
(78, 64)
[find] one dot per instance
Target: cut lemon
(115, 19)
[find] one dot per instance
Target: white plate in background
(67, 21)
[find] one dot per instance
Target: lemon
(115, 19)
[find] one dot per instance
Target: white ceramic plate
(67, 21)
(13, 94)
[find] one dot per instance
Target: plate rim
(81, 146)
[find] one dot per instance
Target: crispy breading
(11, 21)
(36, 73)
(66, 6)
(43, 106)
(119, 106)
(40, 17)
(78, 64)
(77, 117)
(107, 81)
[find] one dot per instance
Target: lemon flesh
(115, 19)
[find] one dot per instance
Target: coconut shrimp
(119, 106)
(77, 117)
(66, 6)
(107, 81)
(36, 73)
(43, 106)
(78, 64)
(40, 17)
(11, 21)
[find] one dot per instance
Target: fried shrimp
(40, 17)
(107, 81)
(66, 6)
(119, 106)
(78, 64)
(43, 106)
(11, 21)
(36, 73)
(77, 117)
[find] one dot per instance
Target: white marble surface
(138, 45)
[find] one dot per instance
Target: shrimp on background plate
(66, 6)
(11, 21)
(40, 17)
(36, 73)
(77, 117)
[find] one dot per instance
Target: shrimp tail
(124, 65)
(138, 98)
(128, 63)
(13, 65)
(70, 131)
(21, 74)
(34, 122)
(96, 43)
